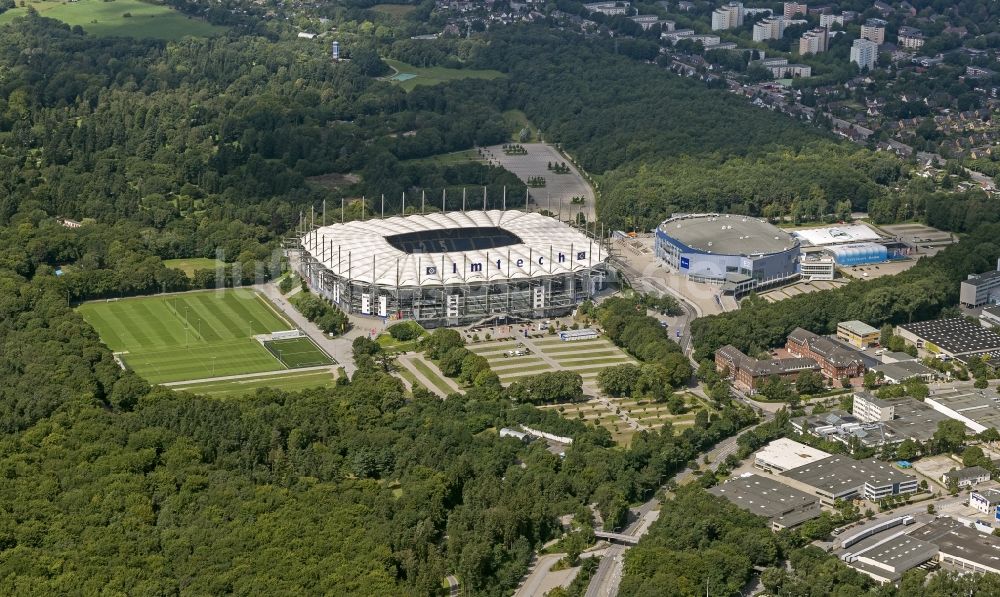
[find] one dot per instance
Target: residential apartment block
(729, 16)
(864, 53)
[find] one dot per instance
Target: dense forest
(662, 143)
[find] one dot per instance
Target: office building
(980, 289)
(817, 268)
(814, 41)
(874, 30)
(769, 28)
(910, 38)
(783, 455)
(858, 334)
(870, 409)
(986, 501)
(952, 338)
(835, 361)
(790, 9)
(729, 16)
(990, 316)
(841, 477)
(784, 506)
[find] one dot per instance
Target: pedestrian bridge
(617, 537)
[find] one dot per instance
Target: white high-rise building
(864, 53)
(729, 16)
(772, 28)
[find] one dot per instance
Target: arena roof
(835, 235)
(728, 234)
(431, 249)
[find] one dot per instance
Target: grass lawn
(448, 159)
(390, 344)
(298, 352)
(107, 18)
(290, 382)
(433, 376)
(434, 75)
(189, 266)
(188, 336)
(396, 10)
(597, 358)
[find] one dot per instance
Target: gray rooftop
(952, 538)
(980, 279)
(981, 406)
(914, 419)
(956, 335)
(991, 495)
(972, 472)
(857, 327)
(728, 234)
(766, 497)
(904, 370)
(838, 475)
(900, 553)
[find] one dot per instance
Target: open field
(395, 10)
(291, 381)
(432, 374)
(101, 18)
(300, 352)
(409, 76)
(189, 266)
(188, 336)
(463, 156)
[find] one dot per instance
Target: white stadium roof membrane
(845, 233)
(360, 251)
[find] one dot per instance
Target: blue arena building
(859, 253)
(740, 253)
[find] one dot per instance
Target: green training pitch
(101, 18)
(191, 265)
(188, 336)
(408, 76)
(297, 352)
(289, 382)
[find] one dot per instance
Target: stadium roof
(835, 235)
(728, 234)
(432, 249)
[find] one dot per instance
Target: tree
(949, 436)
(973, 456)
(619, 380)
(907, 449)
(809, 382)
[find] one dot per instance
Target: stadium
(454, 268)
(739, 253)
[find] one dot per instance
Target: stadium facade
(454, 268)
(740, 253)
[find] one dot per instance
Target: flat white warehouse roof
(784, 454)
(835, 235)
(452, 248)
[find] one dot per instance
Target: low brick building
(834, 360)
(748, 373)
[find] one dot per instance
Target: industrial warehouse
(454, 268)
